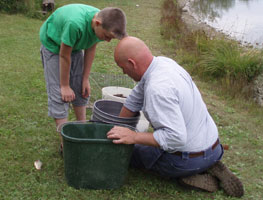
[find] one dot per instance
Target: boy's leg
(79, 104)
(80, 112)
(59, 122)
(57, 108)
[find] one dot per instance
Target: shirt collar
(149, 69)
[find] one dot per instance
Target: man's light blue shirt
(173, 105)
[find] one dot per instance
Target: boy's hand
(67, 94)
(85, 88)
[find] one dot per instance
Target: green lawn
(27, 133)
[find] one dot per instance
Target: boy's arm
(67, 93)
(89, 55)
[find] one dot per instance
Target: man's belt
(197, 154)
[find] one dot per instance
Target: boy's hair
(114, 20)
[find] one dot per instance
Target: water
(240, 19)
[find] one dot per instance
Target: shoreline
(194, 25)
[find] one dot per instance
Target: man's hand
(122, 135)
(67, 94)
(85, 88)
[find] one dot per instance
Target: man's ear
(133, 63)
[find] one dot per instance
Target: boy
(64, 35)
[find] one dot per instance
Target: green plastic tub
(90, 159)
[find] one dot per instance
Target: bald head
(132, 50)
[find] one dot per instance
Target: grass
(27, 134)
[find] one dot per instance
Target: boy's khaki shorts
(57, 108)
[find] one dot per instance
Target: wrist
(86, 77)
(136, 138)
(64, 86)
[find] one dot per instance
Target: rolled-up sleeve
(164, 111)
(134, 101)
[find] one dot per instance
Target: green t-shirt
(70, 24)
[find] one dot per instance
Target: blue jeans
(171, 165)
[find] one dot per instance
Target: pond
(240, 19)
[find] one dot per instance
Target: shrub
(27, 7)
(221, 58)
(10, 6)
(171, 21)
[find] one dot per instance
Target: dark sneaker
(205, 182)
(230, 183)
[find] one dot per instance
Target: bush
(27, 7)
(223, 58)
(171, 21)
(10, 6)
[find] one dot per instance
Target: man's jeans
(171, 165)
